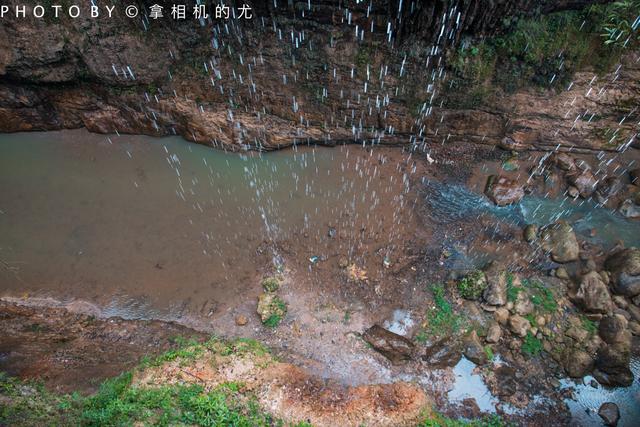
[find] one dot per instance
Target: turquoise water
(455, 202)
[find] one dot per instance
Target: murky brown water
(159, 227)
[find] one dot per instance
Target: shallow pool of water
(160, 227)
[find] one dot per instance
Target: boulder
(629, 209)
(523, 304)
(624, 266)
(473, 349)
(577, 363)
(443, 354)
(561, 273)
(496, 291)
(519, 325)
(501, 315)
(503, 191)
(585, 182)
(612, 366)
(593, 294)
(564, 161)
(494, 333)
(610, 414)
(394, 347)
(560, 241)
(613, 330)
(609, 187)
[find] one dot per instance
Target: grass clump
(541, 296)
(589, 326)
(441, 319)
(120, 402)
(531, 346)
(439, 420)
(472, 286)
(278, 310)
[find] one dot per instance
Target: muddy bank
(71, 350)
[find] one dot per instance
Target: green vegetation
(619, 20)
(489, 352)
(542, 51)
(271, 284)
(531, 345)
(441, 319)
(120, 402)
(589, 326)
(512, 289)
(441, 421)
(541, 296)
(472, 286)
(279, 309)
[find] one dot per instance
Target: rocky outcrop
(250, 87)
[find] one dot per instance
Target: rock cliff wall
(323, 71)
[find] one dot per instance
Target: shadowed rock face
(245, 85)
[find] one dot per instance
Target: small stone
(573, 192)
(629, 209)
(610, 413)
(523, 304)
(561, 273)
(241, 320)
(540, 321)
(624, 266)
(473, 349)
(620, 301)
(577, 333)
(519, 325)
(530, 233)
(634, 328)
(494, 333)
(394, 347)
(564, 161)
(501, 315)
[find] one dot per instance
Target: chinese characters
(180, 12)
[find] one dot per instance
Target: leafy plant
(472, 286)
(622, 20)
